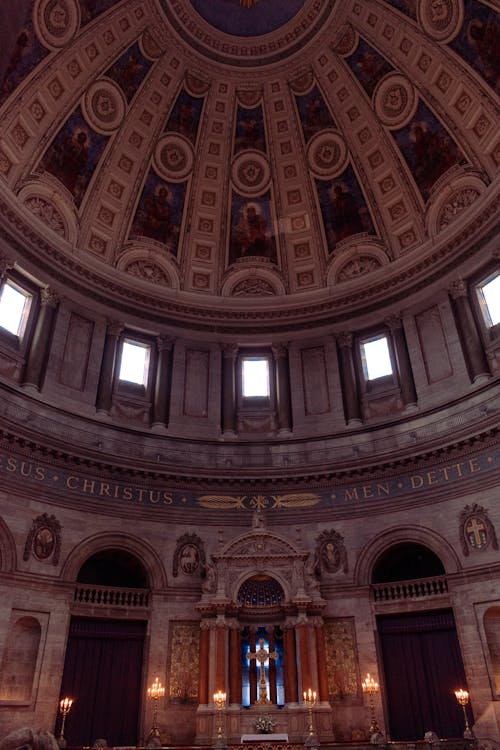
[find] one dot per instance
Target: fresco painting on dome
(428, 149)
(314, 113)
(159, 213)
(251, 228)
(343, 208)
(90, 9)
(250, 133)
(185, 116)
(368, 66)
(28, 52)
(73, 155)
(129, 71)
(248, 17)
(478, 41)
(408, 7)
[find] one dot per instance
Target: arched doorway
(104, 654)
(422, 662)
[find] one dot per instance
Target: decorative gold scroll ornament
(248, 3)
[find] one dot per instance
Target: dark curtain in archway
(422, 668)
(102, 672)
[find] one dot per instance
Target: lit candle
(66, 704)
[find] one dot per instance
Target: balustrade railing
(111, 597)
(416, 589)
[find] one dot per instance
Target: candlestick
(462, 697)
(64, 709)
(155, 692)
(220, 703)
(371, 687)
(310, 701)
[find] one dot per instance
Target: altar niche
(262, 666)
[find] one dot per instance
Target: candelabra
(220, 703)
(371, 687)
(310, 701)
(462, 697)
(155, 692)
(64, 709)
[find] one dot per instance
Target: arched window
(405, 562)
(114, 567)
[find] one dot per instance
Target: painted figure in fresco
(371, 67)
(10, 80)
(155, 219)
(250, 232)
(346, 217)
(249, 134)
(88, 10)
(68, 160)
(433, 153)
(131, 75)
(484, 37)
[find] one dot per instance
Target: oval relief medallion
(56, 21)
(395, 100)
(327, 154)
(441, 19)
(104, 106)
(250, 173)
(173, 157)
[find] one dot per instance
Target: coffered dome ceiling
(194, 157)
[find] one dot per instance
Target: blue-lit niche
(261, 598)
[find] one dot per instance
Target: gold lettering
(167, 499)
(141, 495)
(473, 465)
(116, 491)
(104, 489)
(26, 469)
(367, 491)
(431, 477)
(352, 494)
(11, 464)
(416, 481)
(127, 493)
(445, 472)
(383, 489)
(458, 467)
(40, 473)
(88, 486)
(72, 483)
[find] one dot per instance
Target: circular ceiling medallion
(250, 173)
(327, 154)
(173, 158)
(57, 21)
(104, 105)
(247, 17)
(441, 19)
(395, 101)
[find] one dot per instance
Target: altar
(269, 737)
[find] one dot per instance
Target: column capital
(165, 343)
(230, 351)
(394, 322)
(279, 350)
(344, 339)
(114, 328)
(458, 288)
(49, 298)
(6, 264)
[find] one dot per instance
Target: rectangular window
(14, 308)
(255, 377)
(489, 299)
(376, 358)
(134, 365)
